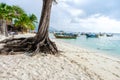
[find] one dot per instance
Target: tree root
(28, 46)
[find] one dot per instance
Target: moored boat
(65, 35)
(109, 35)
(101, 34)
(92, 35)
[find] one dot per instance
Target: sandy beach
(74, 63)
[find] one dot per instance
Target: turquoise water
(108, 45)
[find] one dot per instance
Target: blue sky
(78, 15)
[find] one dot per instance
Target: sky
(77, 15)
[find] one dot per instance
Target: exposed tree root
(29, 46)
(33, 45)
(11, 39)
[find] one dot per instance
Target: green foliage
(26, 21)
(8, 12)
(18, 10)
(33, 18)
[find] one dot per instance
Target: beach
(73, 63)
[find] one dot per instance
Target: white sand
(74, 63)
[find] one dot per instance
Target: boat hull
(65, 36)
(92, 35)
(109, 35)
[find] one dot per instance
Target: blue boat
(92, 35)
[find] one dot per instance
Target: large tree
(40, 43)
(22, 20)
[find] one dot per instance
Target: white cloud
(75, 12)
(68, 18)
(70, 9)
(80, 2)
(100, 24)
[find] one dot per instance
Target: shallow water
(108, 45)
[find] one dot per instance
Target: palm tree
(32, 21)
(18, 11)
(6, 13)
(2, 17)
(41, 42)
(26, 22)
(23, 20)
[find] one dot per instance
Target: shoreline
(74, 63)
(96, 63)
(105, 54)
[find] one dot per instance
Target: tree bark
(3, 28)
(40, 43)
(42, 37)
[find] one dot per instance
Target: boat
(101, 34)
(109, 35)
(83, 33)
(92, 35)
(65, 35)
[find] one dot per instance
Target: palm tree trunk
(3, 28)
(5, 31)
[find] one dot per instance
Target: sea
(104, 44)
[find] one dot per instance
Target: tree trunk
(3, 28)
(39, 43)
(42, 37)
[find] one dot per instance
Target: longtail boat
(65, 35)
